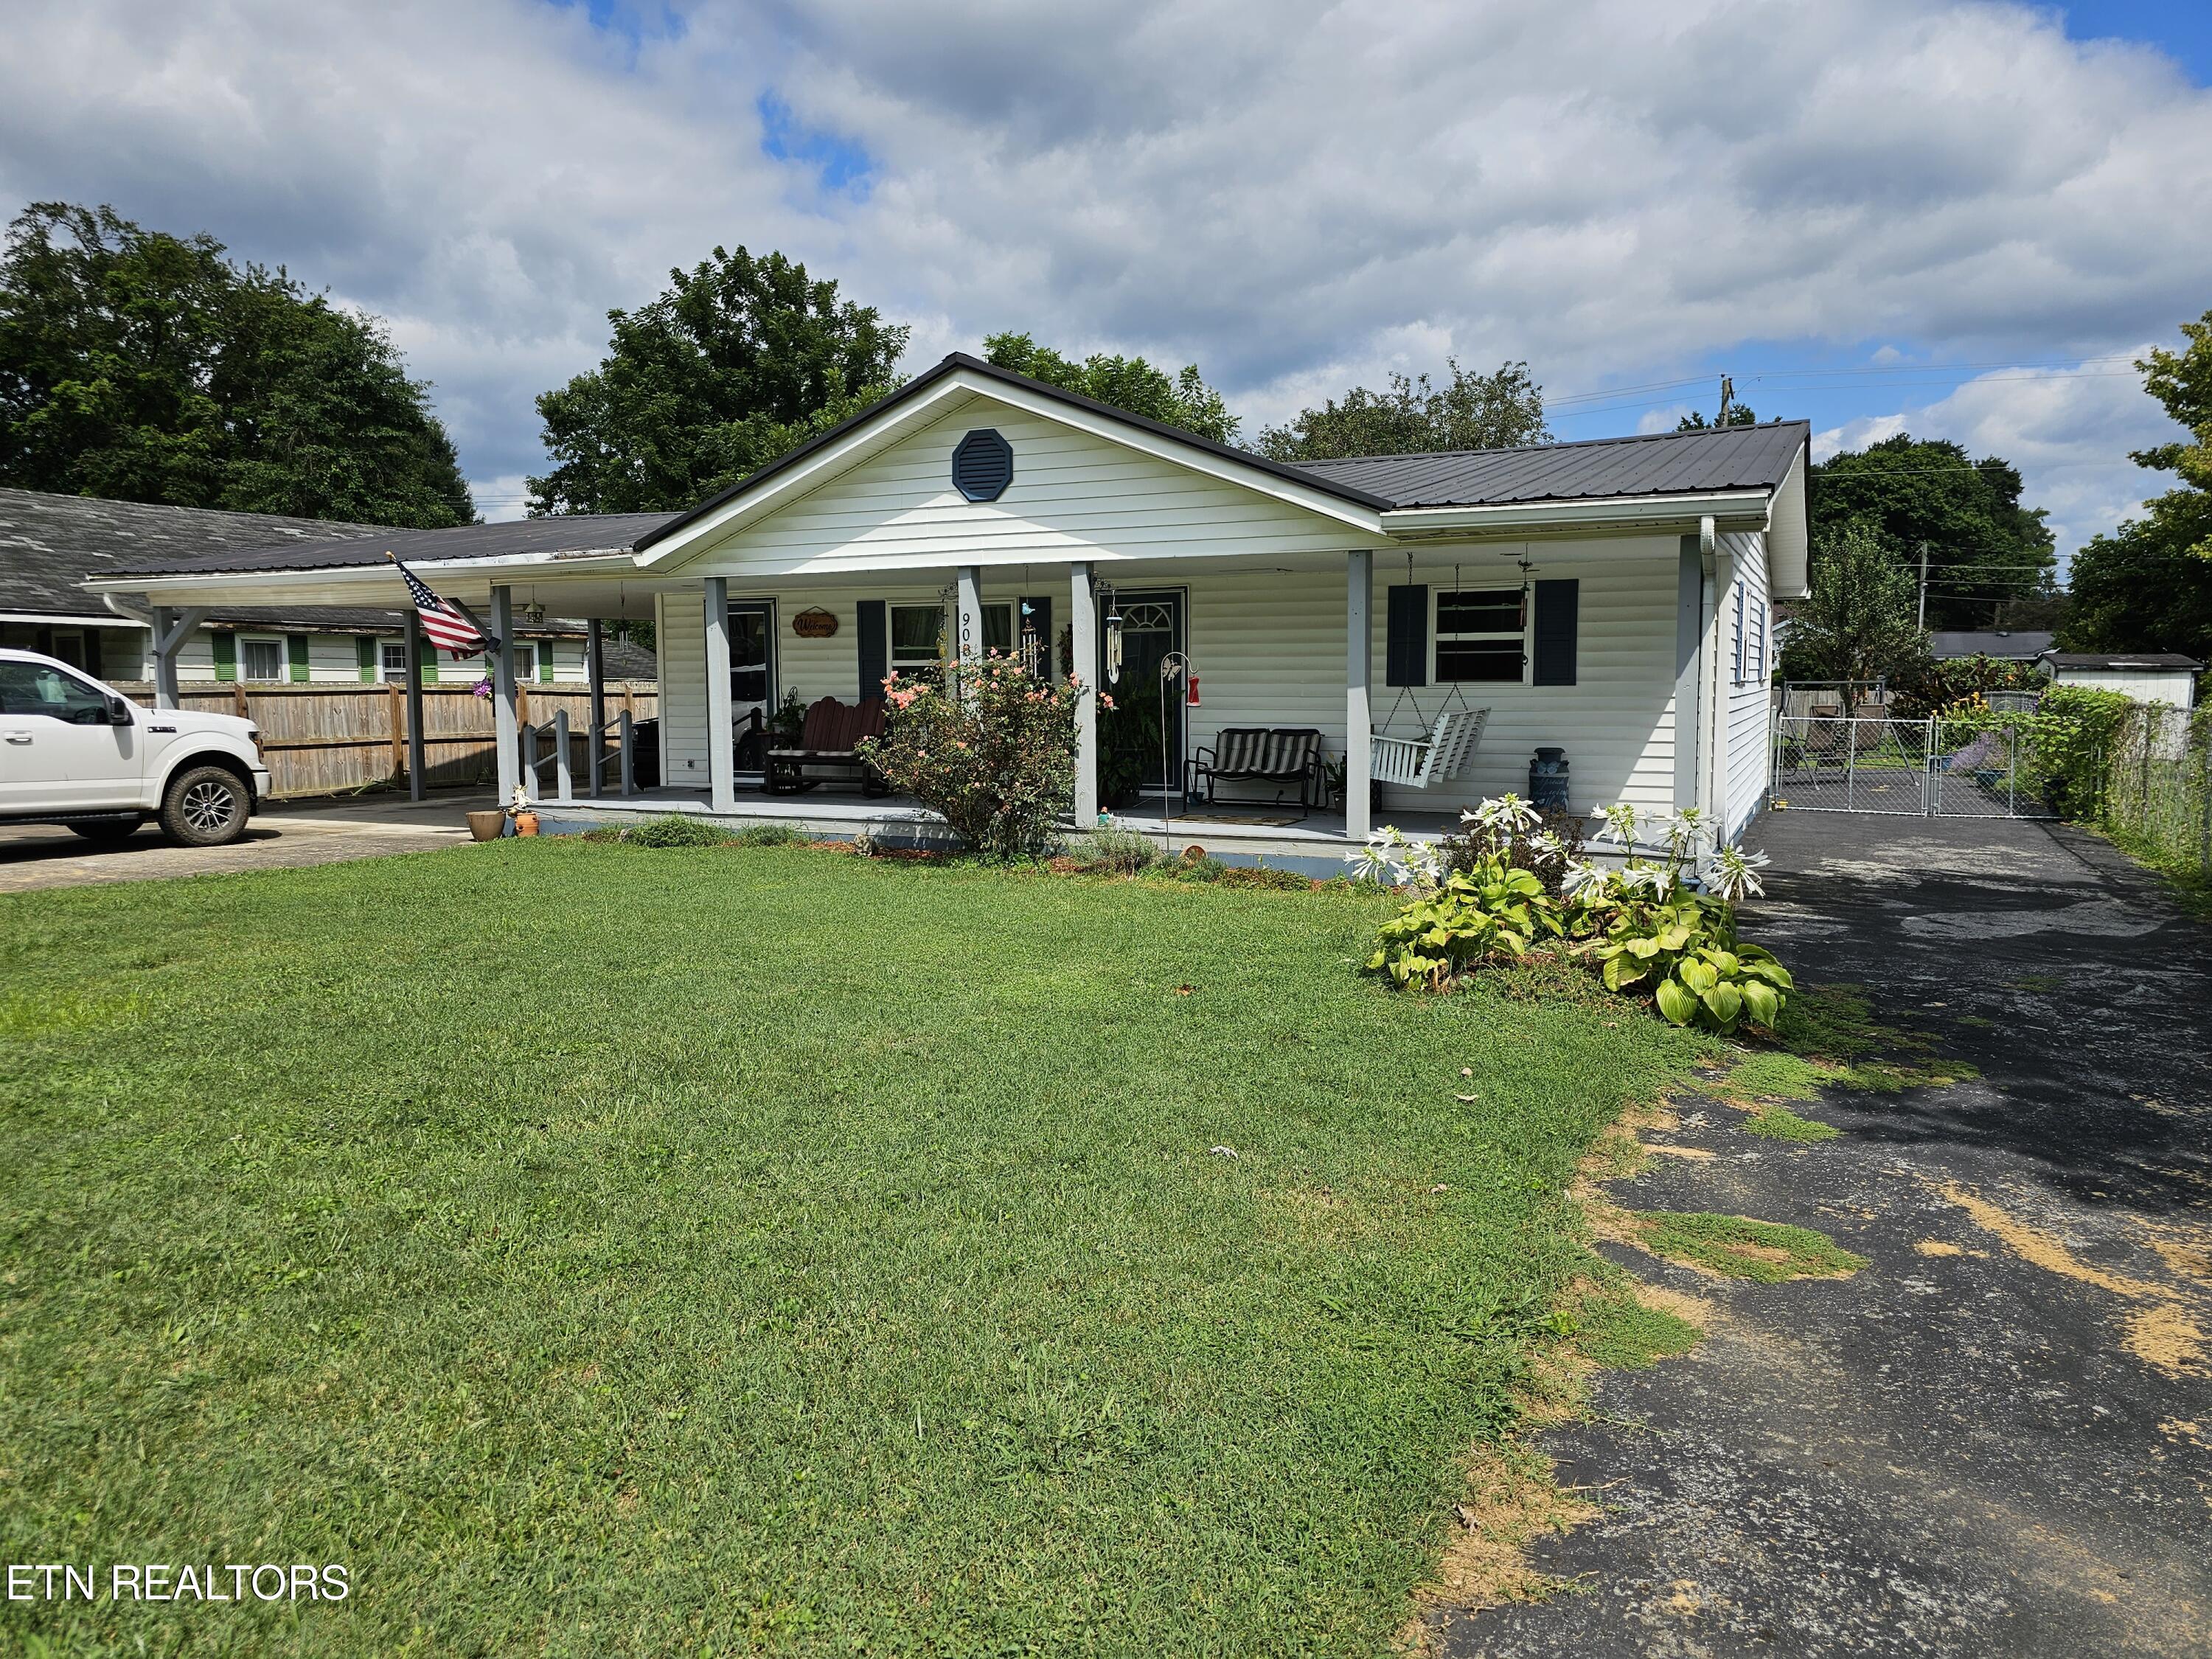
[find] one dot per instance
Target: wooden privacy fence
(326, 740)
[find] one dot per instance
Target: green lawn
(608, 1251)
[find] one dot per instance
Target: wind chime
(1112, 667)
(1031, 648)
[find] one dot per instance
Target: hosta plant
(1490, 911)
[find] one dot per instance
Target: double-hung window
(392, 657)
(1742, 640)
(917, 641)
(1481, 636)
(261, 660)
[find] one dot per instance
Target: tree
(1983, 547)
(1738, 415)
(1132, 383)
(1857, 624)
(739, 361)
(1502, 410)
(144, 367)
(2148, 587)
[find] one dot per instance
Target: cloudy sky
(1956, 217)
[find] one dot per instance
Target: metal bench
(1283, 756)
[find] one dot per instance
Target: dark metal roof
(1654, 464)
(2017, 645)
(2122, 659)
(581, 533)
(49, 544)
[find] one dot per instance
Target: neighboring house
(1999, 645)
(2146, 676)
(1610, 597)
(50, 545)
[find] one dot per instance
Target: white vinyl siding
(1073, 496)
(1747, 700)
(2175, 685)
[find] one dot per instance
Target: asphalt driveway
(284, 834)
(1996, 1439)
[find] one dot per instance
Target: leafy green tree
(2148, 587)
(739, 361)
(144, 367)
(1983, 546)
(1185, 402)
(1856, 624)
(1501, 410)
(1738, 415)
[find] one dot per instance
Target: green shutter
(427, 654)
(226, 654)
(545, 662)
(364, 652)
(295, 653)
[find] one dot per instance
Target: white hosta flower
(1685, 830)
(1507, 814)
(1732, 875)
(1643, 877)
(1547, 846)
(1389, 857)
(1585, 882)
(1619, 825)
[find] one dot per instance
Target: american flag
(449, 630)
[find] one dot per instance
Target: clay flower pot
(487, 824)
(525, 824)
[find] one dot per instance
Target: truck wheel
(204, 806)
(107, 831)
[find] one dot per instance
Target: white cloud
(2067, 431)
(1296, 195)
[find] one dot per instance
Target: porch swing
(1439, 757)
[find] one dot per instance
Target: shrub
(1683, 945)
(991, 751)
(1491, 911)
(1197, 865)
(769, 835)
(676, 829)
(1114, 851)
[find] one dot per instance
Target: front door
(752, 676)
(1143, 743)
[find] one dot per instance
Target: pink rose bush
(991, 751)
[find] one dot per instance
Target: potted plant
(526, 815)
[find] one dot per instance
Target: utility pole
(1923, 586)
(1728, 397)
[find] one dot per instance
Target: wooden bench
(826, 744)
(1281, 755)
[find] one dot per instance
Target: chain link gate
(1905, 769)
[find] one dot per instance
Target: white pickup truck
(74, 752)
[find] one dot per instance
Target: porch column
(506, 729)
(721, 736)
(415, 781)
(595, 679)
(1083, 619)
(1358, 669)
(968, 640)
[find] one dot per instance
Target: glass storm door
(752, 675)
(1151, 627)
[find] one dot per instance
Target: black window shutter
(1406, 642)
(873, 625)
(1040, 606)
(1557, 605)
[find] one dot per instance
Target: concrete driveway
(1996, 1439)
(284, 834)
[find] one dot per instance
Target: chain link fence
(2155, 785)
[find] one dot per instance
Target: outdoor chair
(1285, 756)
(825, 751)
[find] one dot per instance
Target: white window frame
(385, 674)
(283, 659)
(1758, 660)
(1742, 642)
(1438, 639)
(912, 666)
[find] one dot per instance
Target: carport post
(1358, 669)
(415, 782)
(507, 733)
(172, 628)
(595, 677)
(1083, 624)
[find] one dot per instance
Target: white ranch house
(1610, 598)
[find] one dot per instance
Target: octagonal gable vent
(983, 465)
